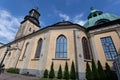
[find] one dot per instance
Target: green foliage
(45, 73)
(13, 70)
(94, 71)
(72, 72)
(111, 75)
(88, 72)
(101, 71)
(108, 71)
(100, 74)
(59, 76)
(66, 71)
(52, 73)
(114, 76)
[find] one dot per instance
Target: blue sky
(12, 12)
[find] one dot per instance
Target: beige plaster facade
(23, 49)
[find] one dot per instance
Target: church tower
(30, 24)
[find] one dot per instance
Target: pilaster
(17, 53)
(26, 59)
(118, 31)
(44, 53)
(79, 55)
(93, 47)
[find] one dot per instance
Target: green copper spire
(97, 17)
(94, 12)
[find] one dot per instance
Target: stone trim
(104, 29)
(93, 47)
(60, 59)
(35, 59)
(87, 60)
(79, 55)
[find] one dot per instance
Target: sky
(12, 12)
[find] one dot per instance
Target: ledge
(35, 59)
(20, 59)
(88, 60)
(109, 60)
(60, 59)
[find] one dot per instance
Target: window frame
(38, 51)
(26, 47)
(63, 51)
(86, 50)
(109, 50)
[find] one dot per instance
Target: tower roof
(97, 17)
(33, 16)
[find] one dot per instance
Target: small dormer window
(101, 21)
(30, 29)
(33, 30)
(99, 13)
(9, 54)
(94, 15)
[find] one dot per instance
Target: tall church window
(109, 48)
(61, 47)
(39, 47)
(26, 47)
(86, 51)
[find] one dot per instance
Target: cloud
(42, 24)
(114, 2)
(117, 2)
(78, 19)
(8, 26)
(64, 16)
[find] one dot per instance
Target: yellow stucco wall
(99, 48)
(33, 63)
(52, 48)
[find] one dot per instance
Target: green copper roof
(98, 17)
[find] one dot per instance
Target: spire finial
(91, 8)
(36, 8)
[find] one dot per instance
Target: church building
(35, 48)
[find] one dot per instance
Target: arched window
(26, 47)
(86, 51)
(39, 47)
(61, 47)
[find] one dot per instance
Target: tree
(52, 73)
(94, 71)
(108, 71)
(66, 71)
(101, 72)
(45, 73)
(88, 72)
(110, 75)
(59, 76)
(72, 72)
